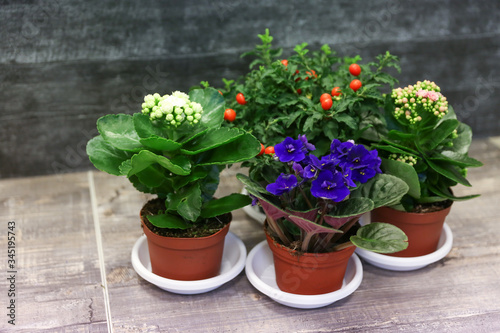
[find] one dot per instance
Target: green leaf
(462, 143)
(241, 149)
(118, 130)
(169, 221)
(151, 176)
(449, 171)
(381, 238)
(251, 186)
(181, 181)
(352, 207)
(457, 159)
(383, 190)
(444, 192)
(189, 206)
(211, 139)
(145, 158)
(346, 119)
(224, 205)
(106, 157)
(213, 106)
(159, 143)
(439, 133)
(405, 172)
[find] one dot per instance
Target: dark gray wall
(62, 65)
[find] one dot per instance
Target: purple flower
(307, 145)
(313, 165)
(347, 175)
(290, 150)
(329, 185)
(340, 149)
(284, 184)
(364, 164)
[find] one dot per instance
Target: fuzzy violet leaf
(380, 237)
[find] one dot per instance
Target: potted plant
(314, 92)
(427, 147)
(313, 205)
(175, 149)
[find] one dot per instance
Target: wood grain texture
(58, 282)
(62, 64)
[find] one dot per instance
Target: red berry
(336, 91)
(326, 104)
(355, 84)
(230, 115)
(269, 150)
(240, 98)
(284, 62)
(354, 69)
(261, 149)
(325, 96)
(220, 92)
(311, 74)
(299, 91)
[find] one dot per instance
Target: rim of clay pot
(416, 217)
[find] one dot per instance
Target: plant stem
(345, 228)
(305, 242)
(276, 229)
(305, 197)
(343, 246)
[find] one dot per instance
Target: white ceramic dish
(254, 212)
(233, 262)
(259, 269)
(408, 263)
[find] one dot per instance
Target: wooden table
(74, 234)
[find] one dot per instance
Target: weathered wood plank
(58, 282)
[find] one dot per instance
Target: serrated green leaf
(118, 131)
(224, 205)
(346, 119)
(145, 158)
(106, 157)
(211, 139)
(380, 238)
(241, 149)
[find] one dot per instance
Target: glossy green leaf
(169, 221)
(213, 106)
(151, 176)
(118, 130)
(446, 193)
(251, 186)
(404, 172)
(462, 143)
(106, 157)
(449, 171)
(159, 143)
(440, 133)
(189, 206)
(211, 139)
(145, 158)
(381, 238)
(224, 205)
(193, 176)
(241, 149)
(457, 159)
(383, 190)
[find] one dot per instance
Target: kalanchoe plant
(175, 148)
(315, 201)
(284, 97)
(426, 145)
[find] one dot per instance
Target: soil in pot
(308, 273)
(423, 228)
(187, 255)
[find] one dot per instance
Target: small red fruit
(262, 148)
(336, 91)
(325, 96)
(240, 98)
(269, 150)
(354, 69)
(299, 91)
(355, 84)
(311, 74)
(326, 104)
(284, 62)
(220, 92)
(230, 115)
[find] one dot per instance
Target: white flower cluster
(411, 160)
(174, 109)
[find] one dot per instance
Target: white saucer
(253, 212)
(259, 269)
(233, 262)
(409, 263)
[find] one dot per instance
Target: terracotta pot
(309, 273)
(186, 259)
(423, 229)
